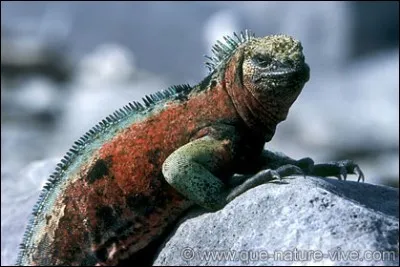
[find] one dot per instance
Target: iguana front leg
(273, 166)
(339, 169)
(190, 170)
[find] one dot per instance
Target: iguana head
(263, 76)
(273, 69)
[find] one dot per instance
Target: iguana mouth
(301, 72)
(284, 76)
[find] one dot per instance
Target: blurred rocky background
(67, 65)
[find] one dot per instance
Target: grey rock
(310, 215)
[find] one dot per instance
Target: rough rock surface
(23, 189)
(350, 220)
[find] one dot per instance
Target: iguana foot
(304, 166)
(339, 169)
(263, 177)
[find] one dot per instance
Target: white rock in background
(110, 63)
(371, 93)
(332, 216)
(106, 80)
(324, 29)
(35, 95)
(357, 106)
(22, 190)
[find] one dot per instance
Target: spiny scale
(221, 51)
(129, 109)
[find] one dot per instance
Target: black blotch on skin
(105, 215)
(102, 254)
(140, 204)
(106, 219)
(97, 171)
(48, 218)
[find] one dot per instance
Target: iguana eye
(262, 60)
